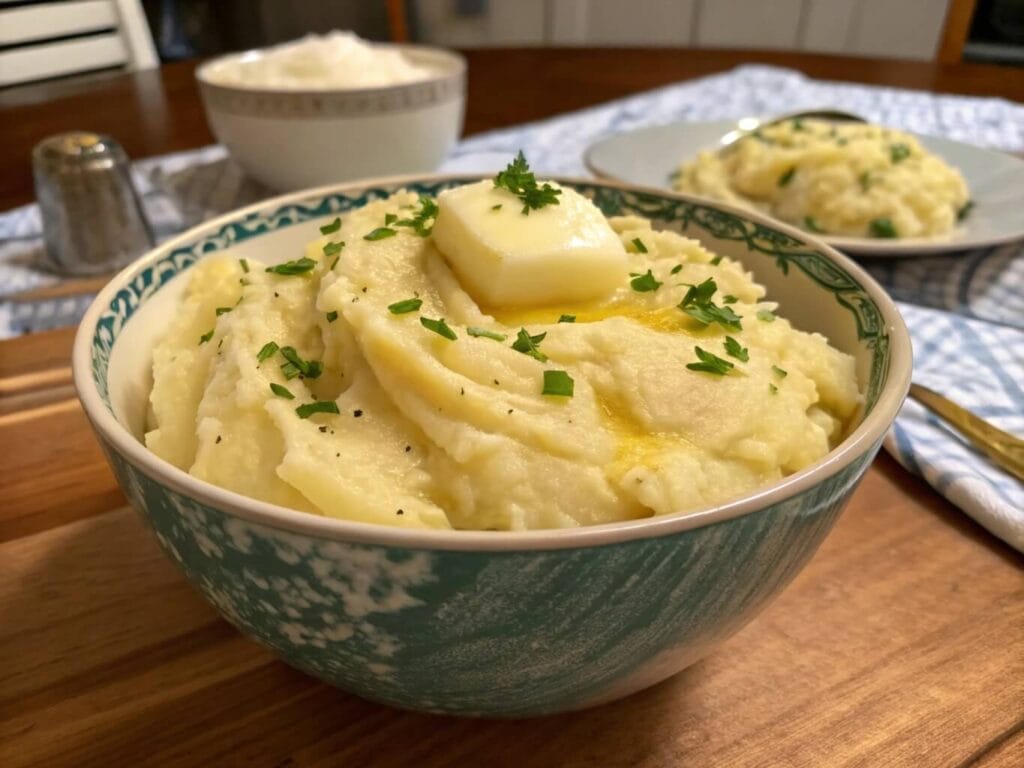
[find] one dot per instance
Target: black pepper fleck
(462, 390)
(217, 441)
(337, 455)
(400, 512)
(277, 295)
(357, 412)
(510, 410)
(408, 448)
(497, 383)
(364, 289)
(323, 429)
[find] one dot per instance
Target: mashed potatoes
(337, 60)
(843, 179)
(366, 382)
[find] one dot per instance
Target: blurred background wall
(911, 29)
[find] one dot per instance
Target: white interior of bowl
(800, 299)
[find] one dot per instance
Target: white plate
(996, 180)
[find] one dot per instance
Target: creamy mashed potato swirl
(435, 431)
(838, 178)
(337, 60)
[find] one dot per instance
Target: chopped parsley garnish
(334, 263)
(798, 124)
(380, 233)
(527, 344)
(716, 261)
(645, 283)
(676, 269)
(865, 181)
(567, 318)
(440, 327)
(518, 179)
(734, 349)
(558, 383)
(330, 229)
(898, 153)
(496, 207)
(963, 212)
(773, 389)
(422, 221)
(639, 245)
(811, 225)
(404, 306)
(698, 305)
(280, 391)
(700, 294)
(206, 337)
(333, 249)
(311, 369)
(787, 177)
(320, 406)
(781, 373)
(267, 350)
(710, 313)
(244, 264)
(290, 370)
(297, 267)
(485, 334)
(389, 219)
(729, 299)
(882, 228)
(221, 311)
(332, 316)
(766, 316)
(710, 363)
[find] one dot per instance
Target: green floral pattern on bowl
(515, 631)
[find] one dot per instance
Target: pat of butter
(556, 254)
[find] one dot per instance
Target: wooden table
(901, 644)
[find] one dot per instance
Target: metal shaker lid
(78, 149)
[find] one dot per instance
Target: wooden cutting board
(901, 644)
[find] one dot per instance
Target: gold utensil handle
(1002, 448)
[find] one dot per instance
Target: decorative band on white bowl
(448, 84)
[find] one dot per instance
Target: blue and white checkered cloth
(965, 311)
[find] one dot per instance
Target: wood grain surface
(901, 643)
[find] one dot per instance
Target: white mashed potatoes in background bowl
(491, 449)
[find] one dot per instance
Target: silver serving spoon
(747, 125)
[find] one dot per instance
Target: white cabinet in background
(908, 29)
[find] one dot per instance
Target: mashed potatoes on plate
(847, 179)
(374, 378)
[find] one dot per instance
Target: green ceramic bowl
(478, 623)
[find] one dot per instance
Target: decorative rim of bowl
(447, 83)
(865, 437)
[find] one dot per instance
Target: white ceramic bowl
(290, 139)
